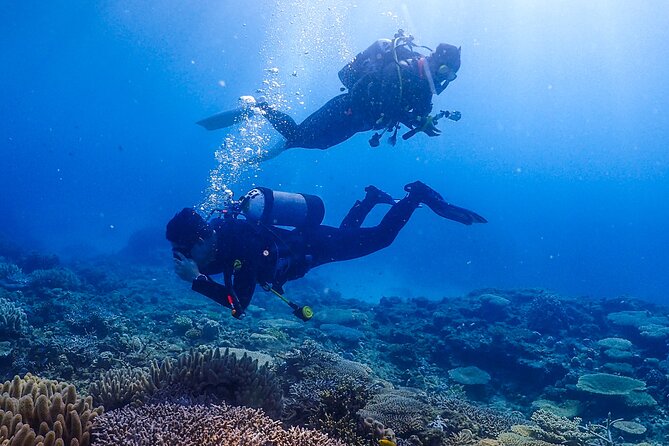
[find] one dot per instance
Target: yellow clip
(237, 265)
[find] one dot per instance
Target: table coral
(404, 411)
(607, 384)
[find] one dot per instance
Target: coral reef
(607, 384)
(63, 278)
(34, 260)
(148, 339)
(199, 425)
(469, 376)
(327, 392)
(36, 411)
(119, 387)
(550, 429)
(234, 379)
(557, 430)
(13, 320)
(457, 415)
(405, 411)
(9, 270)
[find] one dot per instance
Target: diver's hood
(449, 55)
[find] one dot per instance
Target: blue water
(562, 145)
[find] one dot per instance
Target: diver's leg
(264, 155)
(333, 123)
(281, 121)
(326, 244)
(361, 209)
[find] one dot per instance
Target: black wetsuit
(249, 253)
(377, 101)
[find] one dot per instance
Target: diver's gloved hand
(185, 268)
(429, 126)
(454, 115)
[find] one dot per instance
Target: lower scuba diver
(390, 84)
(246, 244)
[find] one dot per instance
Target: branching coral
(54, 278)
(237, 380)
(549, 429)
(328, 405)
(547, 314)
(217, 372)
(35, 411)
(13, 321)
(482, 421)
(199, 425)
(118, 387)
(327, 393)
(558, 430)
(9, 271)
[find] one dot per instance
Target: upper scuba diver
(389, 85)
(253, 250)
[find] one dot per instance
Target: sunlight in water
(293, 57)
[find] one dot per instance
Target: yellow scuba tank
(282, 208)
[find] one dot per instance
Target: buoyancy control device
(376, 57)
(371, 60)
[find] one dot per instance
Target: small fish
(386, 442)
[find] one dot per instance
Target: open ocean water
(494, 334)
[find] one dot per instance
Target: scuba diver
(389, 84)
(254, 250)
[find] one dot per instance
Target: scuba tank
(368, 61)
(376, 57)
(282, 208)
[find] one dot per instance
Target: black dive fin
(225, 119)
(455, 213)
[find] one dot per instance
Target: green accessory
(302, 312)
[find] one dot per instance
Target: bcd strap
(237, 311)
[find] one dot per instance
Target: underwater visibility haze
(491, 334)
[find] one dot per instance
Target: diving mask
(445, 73)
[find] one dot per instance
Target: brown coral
(237, 380)
(403, 410)
(213, 371)
(550, 429)
(118, 387)
(482, 421)
(513, 439)
(199, 425)
(35, 411)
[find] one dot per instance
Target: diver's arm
(188, 270)
(215, 291)
(421, 107)
(244, 285)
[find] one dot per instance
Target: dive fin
(225, 119)
(428, 196)
(461, 215)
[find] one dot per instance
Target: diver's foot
(247, 101)
(432, 199)
(377, 196)
(261, 101)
